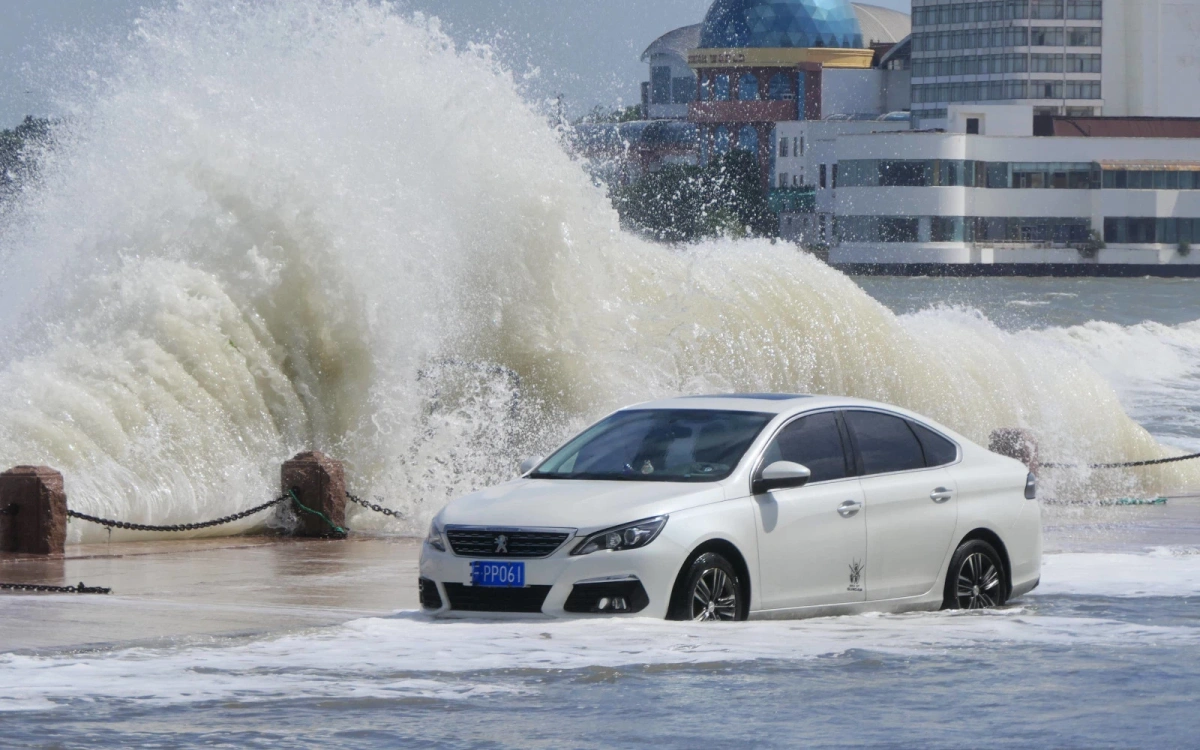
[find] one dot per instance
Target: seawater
(267, 227)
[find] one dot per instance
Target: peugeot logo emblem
(502, 545)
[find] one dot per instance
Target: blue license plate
(498, 574)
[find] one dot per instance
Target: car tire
(709, 590)
(975, 578)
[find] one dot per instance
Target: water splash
(317, 224)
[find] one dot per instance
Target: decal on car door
(856, 570)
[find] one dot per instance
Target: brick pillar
(320, 483)
(1016, 443)
(33, 511)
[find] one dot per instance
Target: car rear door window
(814, 442)
(938, 450)
(885, 442)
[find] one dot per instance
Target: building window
(683, 90)
(1133, 230)
(1083, 64)
(779, 88)
(721, 84)
(783, 148)
(783, 179)
(834, 177)
(660, 85)
(748, 139)
(1085, 10)
(958, 173)
(1046, 9)
(1083, 89)
(1045, 36)
(1122, 179)
(1085, 36)
(721, 140)
(748, 88)
(1037, 229)
(799, 152)
(1045, 90)
(1046, 63)
(821, 176)
(972, 126)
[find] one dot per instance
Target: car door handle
(941, 495)
(849, 508)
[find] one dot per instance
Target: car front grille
(486, 599)
(475, 542)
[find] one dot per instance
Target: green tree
(15, 164)
(687, 203)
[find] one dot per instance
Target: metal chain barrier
(375, 507)
(111, 524)
(80, 589)
(1126, 465)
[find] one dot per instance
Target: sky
(586, 50)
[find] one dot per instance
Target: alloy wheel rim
(714, 596)
(978, 582)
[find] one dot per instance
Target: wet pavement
(170, 591)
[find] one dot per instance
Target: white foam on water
(275, 226)
(1166, 571)
(411, 655)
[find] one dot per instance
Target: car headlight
(434, 538)
(629, 536)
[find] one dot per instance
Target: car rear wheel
(976, 578)
(711, 591)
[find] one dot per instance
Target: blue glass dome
(780, 23)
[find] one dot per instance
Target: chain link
(80, 589)
(375, 507)
(1128, 465)
(111, 524)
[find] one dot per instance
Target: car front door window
(814, 442)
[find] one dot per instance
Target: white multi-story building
(1063, 57)
(1088, 195)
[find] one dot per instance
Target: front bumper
(573, 586)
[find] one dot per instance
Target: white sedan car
(748, 505)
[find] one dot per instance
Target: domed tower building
(760, 62)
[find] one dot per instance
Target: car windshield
(657, 445)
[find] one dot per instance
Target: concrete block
(33, 511)
(1016, 443)
(320, 484)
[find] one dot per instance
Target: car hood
(578, 504)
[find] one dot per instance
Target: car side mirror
(781, 475)
(530, 464)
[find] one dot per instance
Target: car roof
(764, 403)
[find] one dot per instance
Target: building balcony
(739, 111)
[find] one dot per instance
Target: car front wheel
(976, 578)
(710, 591)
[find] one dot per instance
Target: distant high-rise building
(1062, 57)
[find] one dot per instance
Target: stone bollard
(320, 484)
(33, 511)
(1016, 443)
